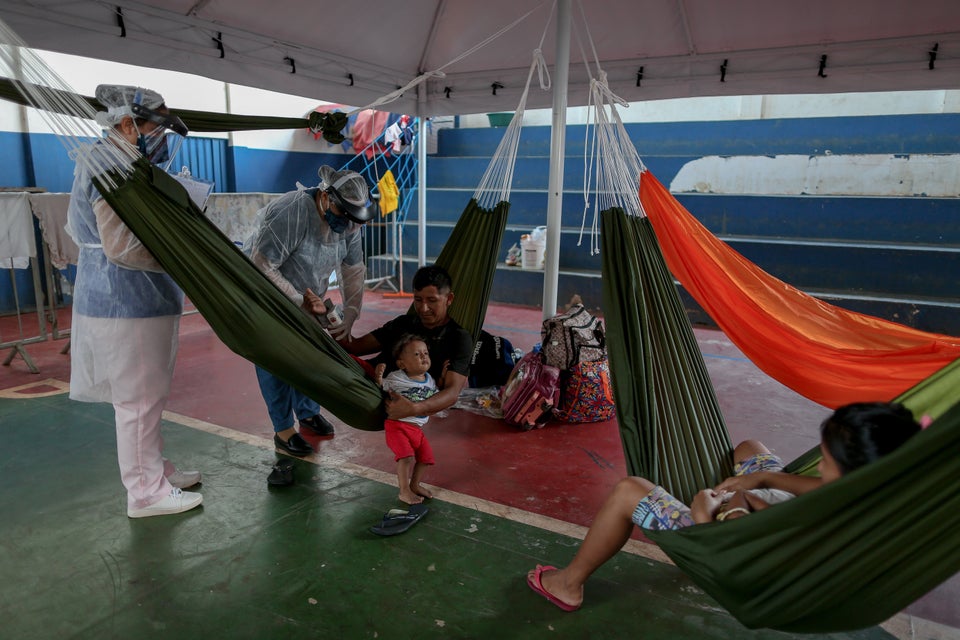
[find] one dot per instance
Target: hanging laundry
(389, 193)
(368, 127)
(393, 137)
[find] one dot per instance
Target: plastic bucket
(499, 119)
(531, 254)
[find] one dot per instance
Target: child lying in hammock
(852, 437)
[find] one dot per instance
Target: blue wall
(267, 171)
(815, 242)
(13, 164)
(897, 257)
(41, 160)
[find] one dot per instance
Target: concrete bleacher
(895, 256)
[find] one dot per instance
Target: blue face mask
(338, 224)
(153, 146)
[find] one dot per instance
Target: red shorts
(406, 440)
(365, 365)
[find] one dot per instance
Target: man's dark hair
(432, 276)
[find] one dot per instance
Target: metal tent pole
(558, 134)
(422, 191)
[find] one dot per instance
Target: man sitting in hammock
(449, 344)
(852, 437)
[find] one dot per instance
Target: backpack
(530, 393)
(492, 361)
(571, 338)
(586, 394)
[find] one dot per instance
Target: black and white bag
(573, 337)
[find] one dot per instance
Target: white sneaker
(184, 479)
(177, 502)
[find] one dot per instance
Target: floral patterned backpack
(586, 394)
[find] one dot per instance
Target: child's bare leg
(748, 448)
(609, 532)
(415, 485)
(378, 374)
(404, 466)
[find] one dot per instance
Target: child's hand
(443, 374)
(705, 505)
(378, 374)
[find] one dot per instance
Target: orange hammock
(830, 355)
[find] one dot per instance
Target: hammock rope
(670, 422)
(485, 216)
(500, 170)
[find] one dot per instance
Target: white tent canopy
(356, 52)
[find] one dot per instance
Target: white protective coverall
(126, 314)
(297, 250)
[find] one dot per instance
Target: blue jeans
(283, 401)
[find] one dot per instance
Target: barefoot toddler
(405, 437)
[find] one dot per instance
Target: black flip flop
(397, 521)
(282, 473)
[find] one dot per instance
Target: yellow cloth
(389, 194)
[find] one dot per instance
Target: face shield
(161, 145)
(348, 191)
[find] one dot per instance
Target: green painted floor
(296, 562)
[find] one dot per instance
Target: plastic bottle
(334, 313)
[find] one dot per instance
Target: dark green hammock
(251, 315)
(850, 554)
(846, 556)
(671, 427)
(196, 121)
(470, 265)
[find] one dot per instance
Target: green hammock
(850, 554)
(846, 556)
(248, 313)
(196, 121)
(462, 260)
(670, 423)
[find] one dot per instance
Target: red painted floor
(561, 471)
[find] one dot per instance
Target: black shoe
(295, 446)
(318, 425)
(282, 473)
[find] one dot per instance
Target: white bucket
(531, 254)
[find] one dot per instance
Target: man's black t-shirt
(449, 341)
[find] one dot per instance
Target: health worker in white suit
(126, 310)
(302, 238)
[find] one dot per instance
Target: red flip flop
(537, 586)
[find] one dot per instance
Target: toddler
(405, 437)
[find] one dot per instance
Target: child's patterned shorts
(660, 510)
